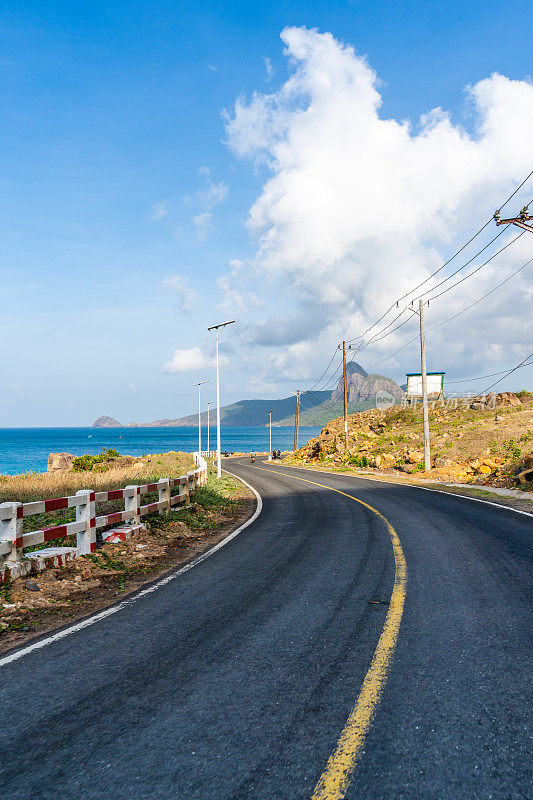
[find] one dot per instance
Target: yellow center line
(335, 779)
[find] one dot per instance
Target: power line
(415, 288)
(522, 364)
(445, 322)
(493, 375)
(438, 325)
(373, 340)
(473, 272)
(422, 283)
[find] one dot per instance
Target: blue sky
(125, 199)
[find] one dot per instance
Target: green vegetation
(209, 502)
(87, 462)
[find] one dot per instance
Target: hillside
(473, 442)
(244, 412)
(362, 389)
(317, 407)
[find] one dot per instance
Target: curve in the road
(335, 779)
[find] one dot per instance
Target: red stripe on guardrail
(113, 518)
(54, 533)
(116, 494)
(55, 505)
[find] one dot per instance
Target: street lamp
(216, 329)
(270, 426)
(200, 383)
(208, 451)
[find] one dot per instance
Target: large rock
(361, 386)
(60, 462)
(106, 422)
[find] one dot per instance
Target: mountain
(244, 412)
(316, 408)
(361, 386)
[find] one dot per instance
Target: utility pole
(270, 426)
(200, 383)
(208, 451)
(345, 395)
(427, 453)
(216, 329)
(520, 221)
(297, 418)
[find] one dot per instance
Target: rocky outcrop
(106, 422)
(60, 462)
(361, 386)
(526, 474)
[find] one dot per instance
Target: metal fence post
(163, 487)
(85, 512)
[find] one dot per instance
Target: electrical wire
(473, 272)
(445, 322)
(460, 250)
(438, 325)
(415, 288)
(522, 364)
(493, 375)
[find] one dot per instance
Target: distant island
(317, 408)
(106, 422)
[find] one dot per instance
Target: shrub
(87, 462)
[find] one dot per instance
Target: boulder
(443, 462)
(415, 457)
(60, 462)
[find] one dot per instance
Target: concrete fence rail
(14, 562)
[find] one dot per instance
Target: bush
(86, 463)
(358, 461)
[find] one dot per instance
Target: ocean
(26, 449)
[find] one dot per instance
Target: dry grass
(43, 486)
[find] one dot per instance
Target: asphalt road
(236, 679)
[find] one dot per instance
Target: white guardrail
(13, 540)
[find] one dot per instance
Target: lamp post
(200, 383)
(270, 426)
(216, 329)
(208, 404)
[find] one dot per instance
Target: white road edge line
(412, 486)
(78, 626)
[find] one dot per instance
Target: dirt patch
(32, 606)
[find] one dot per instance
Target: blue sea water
(27, 449)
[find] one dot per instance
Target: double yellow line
(335, 779)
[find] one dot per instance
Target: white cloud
(215, 191)
(184, 294)
(269, 67)
(359, 208)
(132, 388)
(160, 209)
(202, 223)
(235, 297)
(190, 359)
